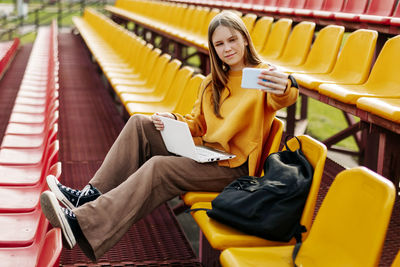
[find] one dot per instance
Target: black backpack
(270, 206)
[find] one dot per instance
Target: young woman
(139, 174)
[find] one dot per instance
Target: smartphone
(250, 78)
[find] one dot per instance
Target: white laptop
(178, 140)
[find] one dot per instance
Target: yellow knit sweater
(247, 116)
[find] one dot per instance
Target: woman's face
(230, 46)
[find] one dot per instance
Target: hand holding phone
(275, 83)
(250, 78)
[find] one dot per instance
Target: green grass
(28, 38)
(325, 121)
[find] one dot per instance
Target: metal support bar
(342, 134)
(290, 119)
(350, 121)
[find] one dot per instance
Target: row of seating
(385, 12)
(28, 153)
(292, 51)
(7, 52)
(142, 78)
(352, 82)
(190, 24)
(222, 237)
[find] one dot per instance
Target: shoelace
(68, 189)
(68, 212)
(84, 192)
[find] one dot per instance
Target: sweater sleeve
(289, 97)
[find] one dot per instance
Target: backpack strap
(301, 229)
(289, 137)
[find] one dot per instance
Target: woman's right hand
(157, 122)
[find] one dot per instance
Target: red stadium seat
(395, 20)
(294, 5)
(352, 10)
(279, 4)
(259, 5)
(310, 6)
(28, 175)
(25, 198)
(378, 11)
(50, 251)
(329, 8)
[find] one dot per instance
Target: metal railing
(43, 15)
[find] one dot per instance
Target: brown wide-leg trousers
(137, 175)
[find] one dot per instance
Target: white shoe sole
(52, 183)
(56, 217)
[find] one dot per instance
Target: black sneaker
(60, 217)
(72, 198)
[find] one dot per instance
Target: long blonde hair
(220, 70)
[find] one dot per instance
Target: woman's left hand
(274, 81)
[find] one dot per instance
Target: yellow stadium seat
(353, 64)
(349, 229)
(396, 261)
(260, 32)
(271, 145)
(202, 38)
(221, 236)
(186, 102)
(383, 81)
(388, 108)
(277, 39)
(297, 46)
(323, 52)
(170, 99)
(155, 78)
(160, 91)
(200, 17)
(188, 96)
(136, 69)
(145, 73)
(249, 20)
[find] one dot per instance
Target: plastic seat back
(201, 19)
(396, 261)
(50, 251)
(283, 3)
(272, 143)
(315, 152)
(332, 5)
(297, 4)
(168, 77)
(384, 77)
(175, 91)
(249, 20)
(324, 51)
(314, 4)
(355, 6)
(298, 44)
(277, 39)
(149, 64)
(260, 32)
(396, 12)
(381, 7)
(189, 96)
(351, 224)
(187, 19)
(354, 61)
(213, 12)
